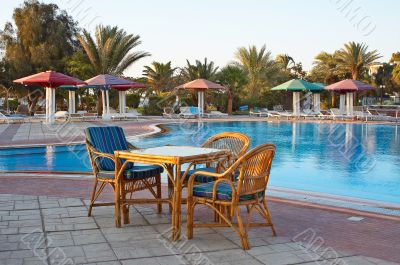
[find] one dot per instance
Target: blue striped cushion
(224, 191)
(107, 140)
(201, 178)
(136, 172)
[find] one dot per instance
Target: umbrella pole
(342, 104)
(317, 102)
(123, 101)
(108, 102)
(53, 104)
(103, 99)
(296, 103)
(73, 102)
(47, 104)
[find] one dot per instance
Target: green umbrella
(297, 85)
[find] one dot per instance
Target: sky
(176, 30)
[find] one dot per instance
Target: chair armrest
(192, 177)
(94, 155)
(234, 192)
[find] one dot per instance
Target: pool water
(356, 160)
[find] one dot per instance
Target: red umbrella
(346, 88)
(49, 79)
(349, 85)
(105, 82)
(110, 81)
(126, 87)
(200, 84)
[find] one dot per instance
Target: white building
(373, 68)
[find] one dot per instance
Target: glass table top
(176, 151)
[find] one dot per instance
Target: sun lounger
(337, 115)
(75, 117)
(325, 115)
(89, 116)
(376, 115)
(61, 115)
(308, 113)
(11, 119)
(215, 114)
(258, 112)
(170, 113)
(186, 112)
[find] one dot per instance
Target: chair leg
(92, 197)
(243, 233)
(189, 218)
(268, 217)
(159, 195)
(117, 199)
(125, 209)
(170, 194)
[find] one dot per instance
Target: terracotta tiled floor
(374, 237)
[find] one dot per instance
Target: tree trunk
(33, 98)
(230, 102)
(6, 100)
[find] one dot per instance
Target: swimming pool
(356, 160)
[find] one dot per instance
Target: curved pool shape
(355, 160)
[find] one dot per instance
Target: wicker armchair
(101, 142)
(237, 143)
(225, 196)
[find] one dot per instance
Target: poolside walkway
(46, 230)
(55, 210)
(65, 133)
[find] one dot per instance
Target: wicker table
(171, 158)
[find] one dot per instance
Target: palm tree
(396, 74)
(111, 51)
(205, 70)
(258, 65)
(234, 78)
(285, 60)
(355, 57)
(159, 76)
(326, 68)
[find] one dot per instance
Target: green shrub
(132, 100)
(155, 106)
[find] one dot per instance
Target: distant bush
(12, 104)
(132, 100)
(155, 106)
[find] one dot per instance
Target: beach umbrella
(200, 85)
(296, 86)
(50, 80)
(347, 89)
(105, 83)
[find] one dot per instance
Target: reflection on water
(360, 160)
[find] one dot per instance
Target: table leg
(176, 205)
(170, 186)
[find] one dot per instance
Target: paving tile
(166, 260)
(69, 224)
(59, 239)
(84, 237)
(234, 256)
(282, 258)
